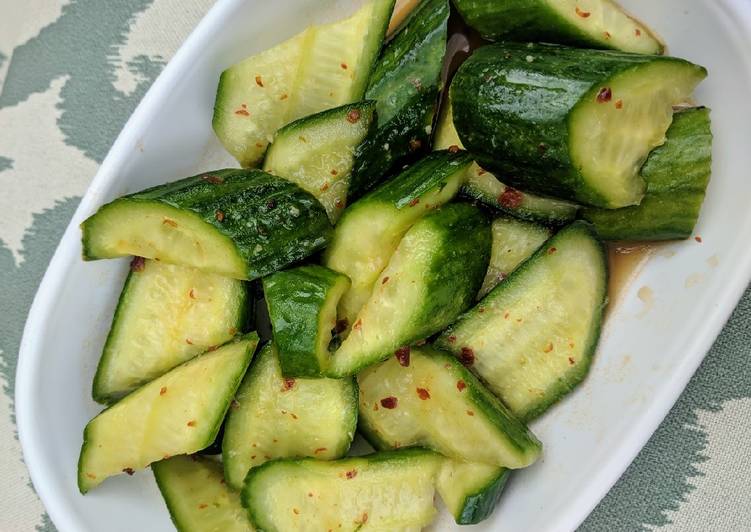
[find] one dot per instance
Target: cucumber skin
(244, 197)
(480, 505)
(533, 145)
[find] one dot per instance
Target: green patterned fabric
(71, 72)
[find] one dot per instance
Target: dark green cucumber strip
(532, 338)
(594, 118)
(277, 417)
(414, 400)
(370, 230)
(317, 152)
(323, 67)
(592, 24)
(302, 308)
(177, 413)
(384, 491)
(432, 277)
(166, 315)
(677, 174)
(406, 82)
(242, 224)
(470, 490)
(197, 497)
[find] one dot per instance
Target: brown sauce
(625, 261)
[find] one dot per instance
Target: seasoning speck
(219, 215)
(402, 356)
(259, 81)
(460, 385)
(423, 394)
(353, 116)
(137, 264)
(467, 356)
(582, 14)
(128, 471)
(511, 198)
(389, 402)
(604, 95)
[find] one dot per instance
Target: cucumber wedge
(323, 67)
(317, 152)
(589, 23)
(596, 116)
(242, 224)
(431, 400)
(166, 315)
(390, 491)
(302, 310)
(677, 174)
(277, 417)
(370, 230)
(432, 277)
(470, 490)
(178, 413)
(197, 497)
(532, 338)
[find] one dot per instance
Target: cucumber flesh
(390, 491)
(277, 417)
(470, 490)
(177, 413)
(197, 497)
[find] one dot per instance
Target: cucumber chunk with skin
(177, 413)
(242, 224)
(277, 417)
(197, 497)
(370, 230)
(323, 67)
(430, 399)
(317, 152)
(390, 491)
(576, 124)
(302, 309)
(589, 23)
(677, 174)
(470, 490)
(431, 278)
(166, 315)
(532, 338)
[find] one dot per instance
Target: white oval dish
(650, 348)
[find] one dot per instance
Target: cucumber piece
(677, 174)
(277, 417)
(242, 224)
(405, 83)
(323, 67)
(432, 277)
(588, 23)
(166, 315)
(390, 491)
(532, 338)
(197, 497)
(177, 413)
(429, 399)
(470, 490)
(594, 117)
(370, 230)
(302, 310)
(514, 241)
(317, 152)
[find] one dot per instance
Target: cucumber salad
(411, 248)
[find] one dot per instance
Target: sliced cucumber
(370, 230)
(590, 23)
(197, 497)
(470, 490)
(677, 174)
(595, 118)
(239, 223)
(177, 413)
(514, 241)
(432, 277)
(166, 315)
(391, 491)
(431, 400)
(317, 152)
(320, 68)
(302, 310)
(277, 417)
(532, 338)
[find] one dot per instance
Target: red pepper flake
(637, 32)
(163, 390)
(548, 348)
(454, 148)
(293, 415)
(349, 475)
(353, 116)
(283, 96)
(170, 222)
(452, 339)
(137, 264)
(287, 384)
(259, 145)
(619, 104)
(604, 95)
(213, 179)
(192, 294)
(582, 14)
(607, 35)
(334, 172)
(460, 385)
(511, 198)
(341, 325)
(129, 471)
(310, 494)
(242, 112)
(212, 348)
(358, 325)
(192, 423)
(470, 413)
(259, 81)
(698, 239)
(296, 511)
(339, 204)
(415, 144)
(467, 356)
(363, 519)
(402, 356)
(188, 341)
(505, 316)
(324, 187)
(375, 407)
(481, 310)
(385, 280)
(423, 394)
(482, 172)
(344, 66)
(389, 402)
(202, 506)
(219, 215)
(320, 450)
(552, 250)
(234, 404)
(414, 202)
(571, 360)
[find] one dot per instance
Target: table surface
(71, 73)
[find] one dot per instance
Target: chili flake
(213, 179)
(344, 66)
(188, 341)
(324, 187)
(467, 356)
(511, 198)
(389, 402)
(163, 390)
(202, 506)
(402, 356)
(192, 423)
(334, 172)
(192, 294)
(283, 97)
(460, 385)
(423, 394)
(604, 95)
(352, 473)
(137, 264)
(259, 81)
(170, 222)
(637, 32)
(582, 14)
(552, 250)
(619, 104)
(219, 215)
(470, 413)
(296, 511)
(548, 348)
(129, 471)
(414, 202)
(320, 450)
(607, 35)
(454, 148)
(698, 239)
(339, 204)
(358, 325)
(452, 339)
(242, 112)
(571, 360)
(385, 280)
(353, 116)
(288, 384)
